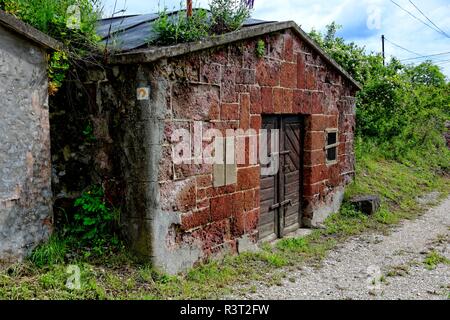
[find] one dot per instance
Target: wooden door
(281, 192)
(291, 174)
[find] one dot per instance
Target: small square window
(332, 138)
(332, 145)
(332, 154)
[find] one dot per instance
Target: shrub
(225, 16)
(401, 109)
(94, 222)
(228, 15)
(178, 28)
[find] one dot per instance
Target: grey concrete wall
(25, 171)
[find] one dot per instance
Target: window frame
(331, 146)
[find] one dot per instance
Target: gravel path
(373, 266)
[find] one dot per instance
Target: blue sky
(363, 21)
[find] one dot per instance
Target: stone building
(25, 169)
(268, 75)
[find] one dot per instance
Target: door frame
(281, 120)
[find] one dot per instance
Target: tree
(427, 74)
(351, 57)
(402, 108)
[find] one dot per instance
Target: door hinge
(281, 204)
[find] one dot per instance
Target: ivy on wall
(72, 22)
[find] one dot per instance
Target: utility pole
(384, 53)
(189, 8)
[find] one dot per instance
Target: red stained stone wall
(231, 88)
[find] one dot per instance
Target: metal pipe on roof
(189, 8)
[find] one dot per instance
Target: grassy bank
(119, 277)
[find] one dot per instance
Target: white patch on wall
(143, 93)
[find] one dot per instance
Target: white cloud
(396, 24)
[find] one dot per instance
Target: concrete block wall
(25, 170)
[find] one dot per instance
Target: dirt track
(373, 266)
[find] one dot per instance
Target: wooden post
(189, 8)
(384, 53)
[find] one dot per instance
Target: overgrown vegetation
(178, 28)
(118, 276)
(91, 233)
(72, 22)
(228, 15)
(401, 110)
(260, 48)
(223, 16)
(95, 221)
(401, 156)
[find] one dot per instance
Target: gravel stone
(359, 269)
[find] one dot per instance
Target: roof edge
(157, 53)
(29, 32)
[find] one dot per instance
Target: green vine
(260, 49)
(57, 68)
(56, 19)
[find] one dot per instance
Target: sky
(363, 21)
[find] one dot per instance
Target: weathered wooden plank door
(291, 174)
(268, 221)
(281, 192)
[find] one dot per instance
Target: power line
(428, 56)
(420, 56)
(403, 48)
(442, 62)
(442, 31)
(412, 15)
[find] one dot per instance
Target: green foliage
(178, 28)
(401, 110)
(95, 221)
(228, 15)
(52, 17)
(433, 259)
(114, 278)
(293, 244)
(88, 133)
(351, 57)
(50, 253)
(426, 74)
(260, 48)
(58, 66)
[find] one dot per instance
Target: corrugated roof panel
(134, 38)
(121, 24)
(134, 32)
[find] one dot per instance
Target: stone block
(288, 75)
(368, 205)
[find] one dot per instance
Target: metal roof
(130, 38)
(133, 32)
